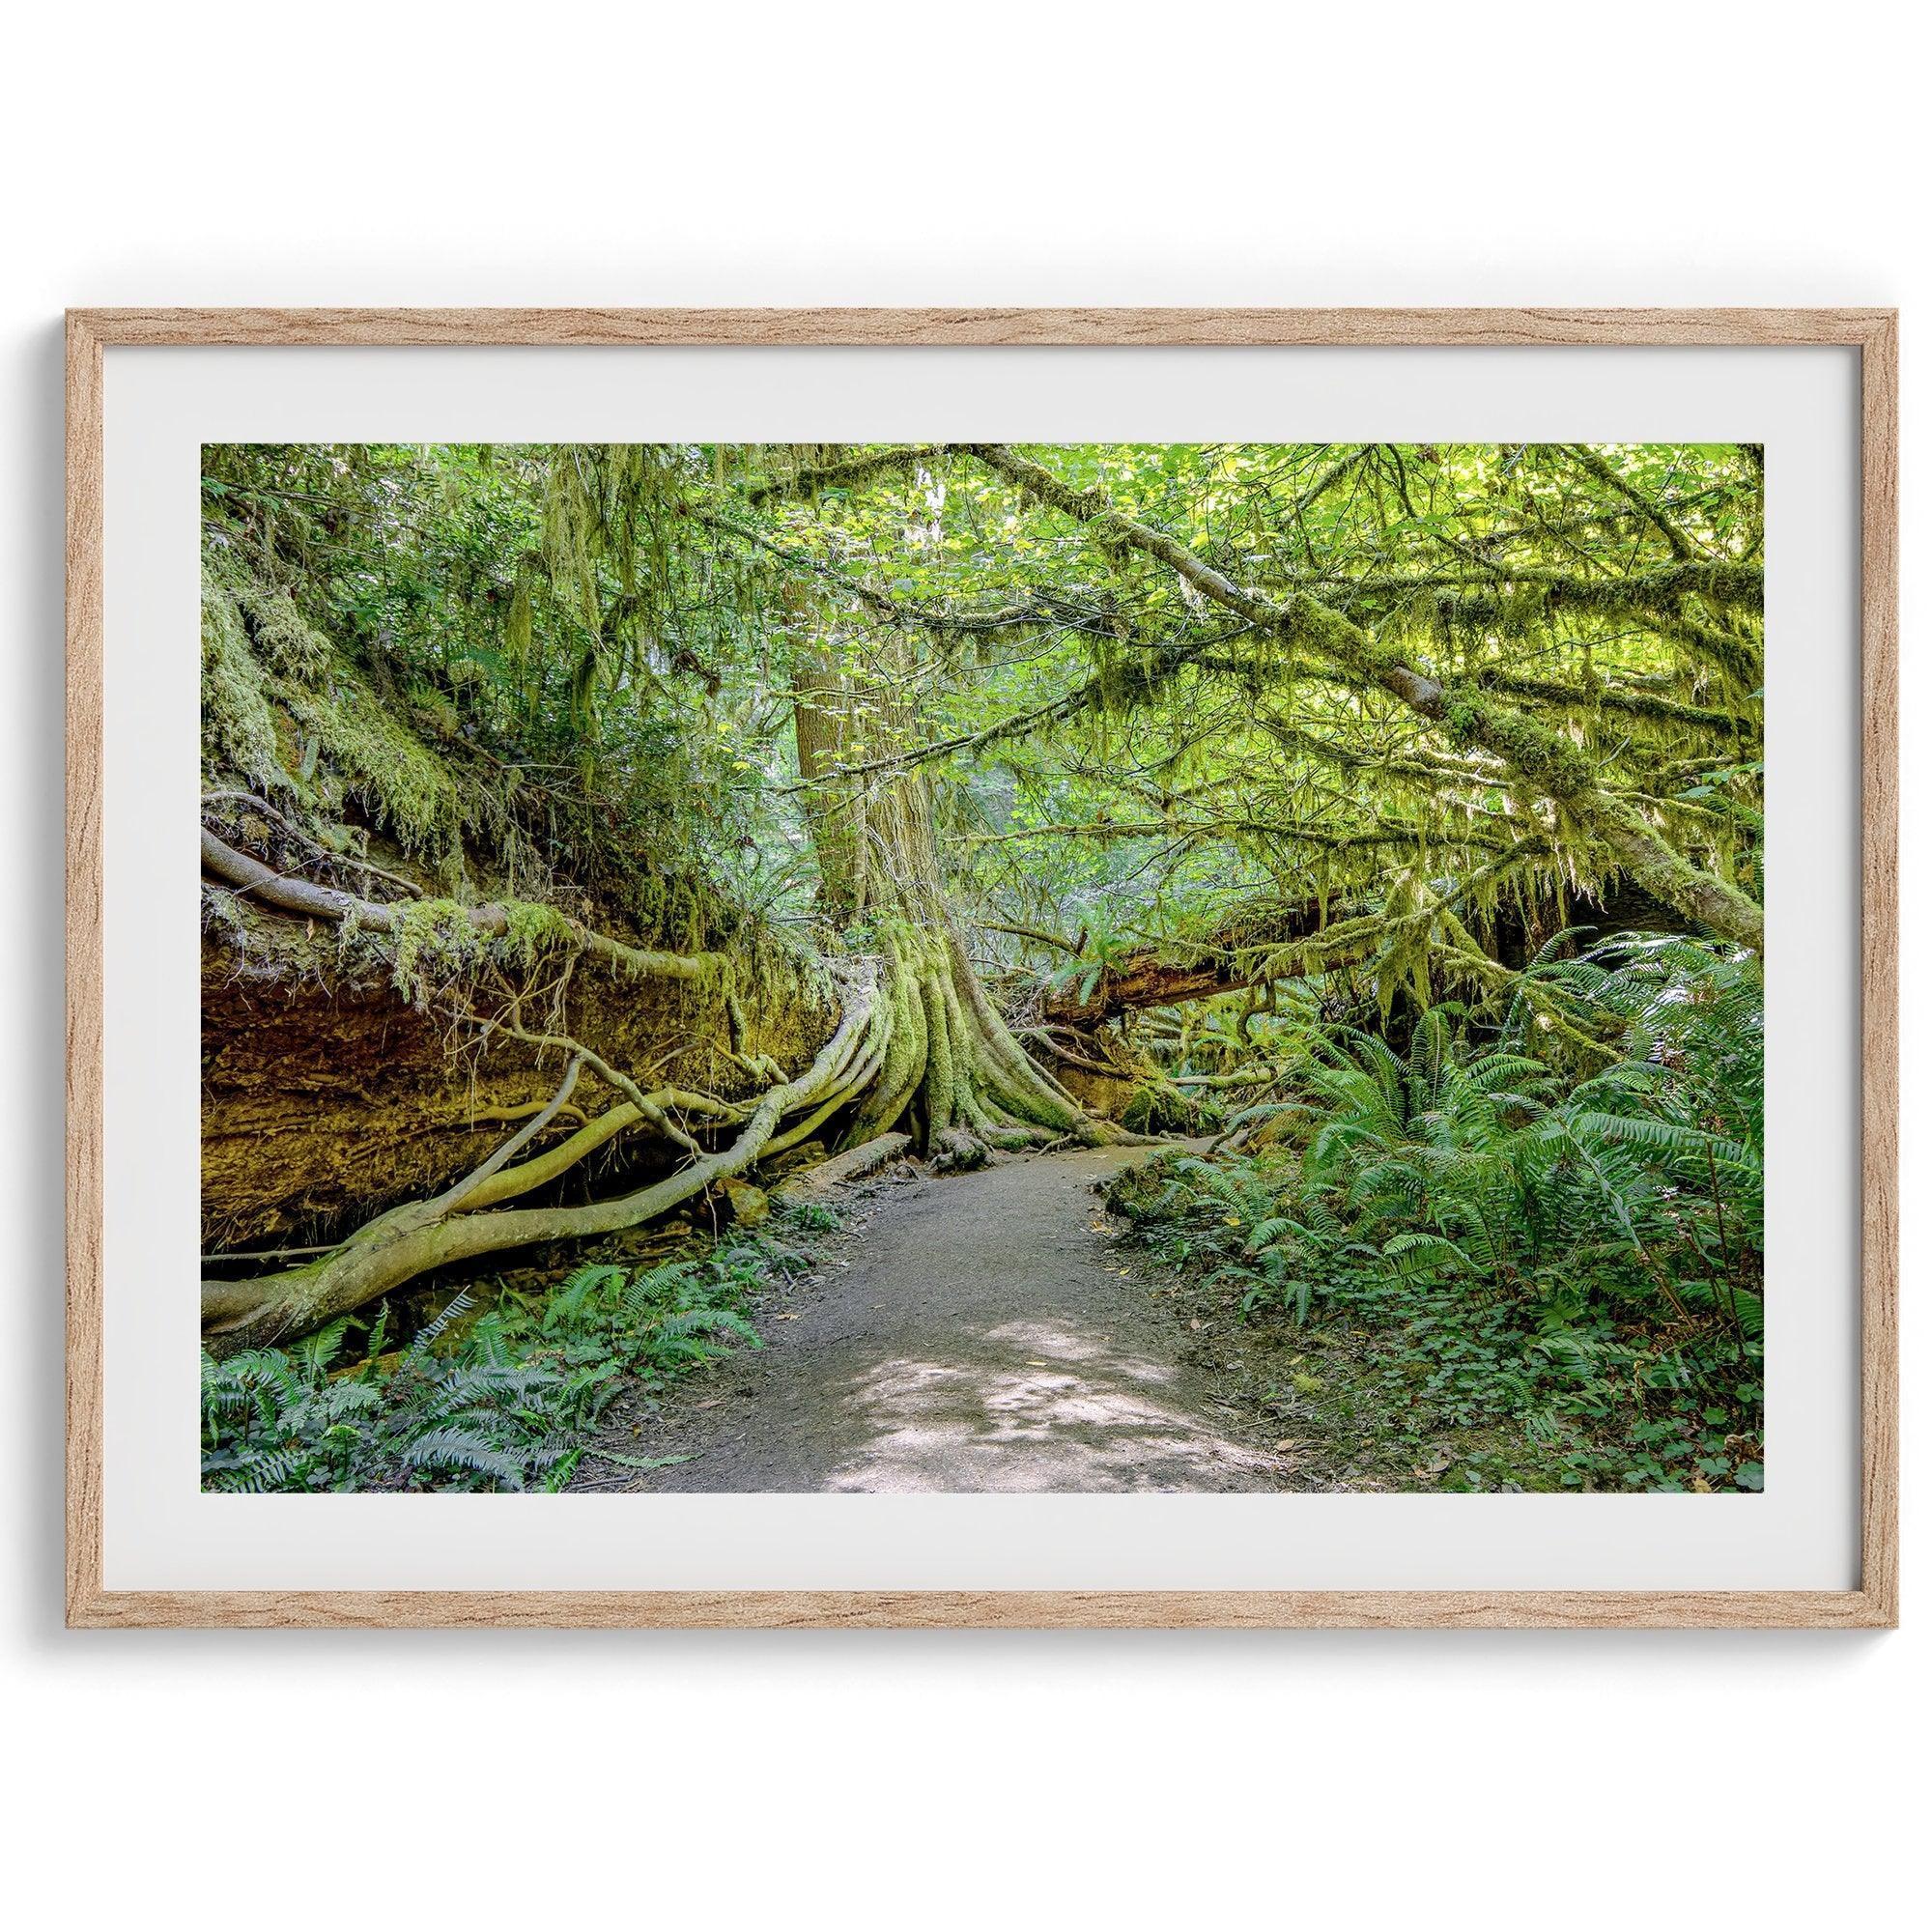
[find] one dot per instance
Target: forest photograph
(1111, 967)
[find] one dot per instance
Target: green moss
(376, 755)
(1158, 1108)
(433, 942)
(283, 709)
(237, 728)
(1311, 622)
(533, 929)
(283, 638)
(1543, 759)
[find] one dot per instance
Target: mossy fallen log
(327, 1096)
(456, 1226)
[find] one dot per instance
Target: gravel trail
(976, 1332)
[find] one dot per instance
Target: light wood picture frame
(1871, 332)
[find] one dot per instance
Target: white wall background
(846, 153)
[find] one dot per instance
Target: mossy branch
(1544, 759)
(845, 473)
(1591, 464)
(533, 926)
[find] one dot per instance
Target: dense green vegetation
(1562, 1241)
(589, 832)
(498, 1398)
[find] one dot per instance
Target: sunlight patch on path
(1033, 1406)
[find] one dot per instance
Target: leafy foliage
(501, 1400)
(1580, 1253)
(612, 639)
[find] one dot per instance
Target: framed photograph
(1020, 968)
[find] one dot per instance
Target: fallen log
(411, 1239)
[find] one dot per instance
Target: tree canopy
(1153, 689)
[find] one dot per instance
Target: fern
(426, 1337)
(507, 1407)
(695, 1321)
(451, 1448)
(634, 1461)
(1566, 1219)
(1417, 1253)
(569, 1304)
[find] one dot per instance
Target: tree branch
(286, 894)
(1593, 465)
(1543, 759)
(845, 471)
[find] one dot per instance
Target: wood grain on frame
(1039, 327)
(1874, 332)
(1879, 944)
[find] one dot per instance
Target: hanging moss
(378, 757)
(237, 730)
(534, 929)
(283, 638)
(283, 710)
(433, 942)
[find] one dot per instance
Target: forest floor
(982, 1331)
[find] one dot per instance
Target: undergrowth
(501, 1400)
(1533, 1258)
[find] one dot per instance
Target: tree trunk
(953, 1071)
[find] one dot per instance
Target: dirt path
(976, 1332)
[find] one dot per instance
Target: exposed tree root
(456, 1226)
(506, 1116)
(950, 1062)
(918, 1042)
(851, 1165)
(644, 1107)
